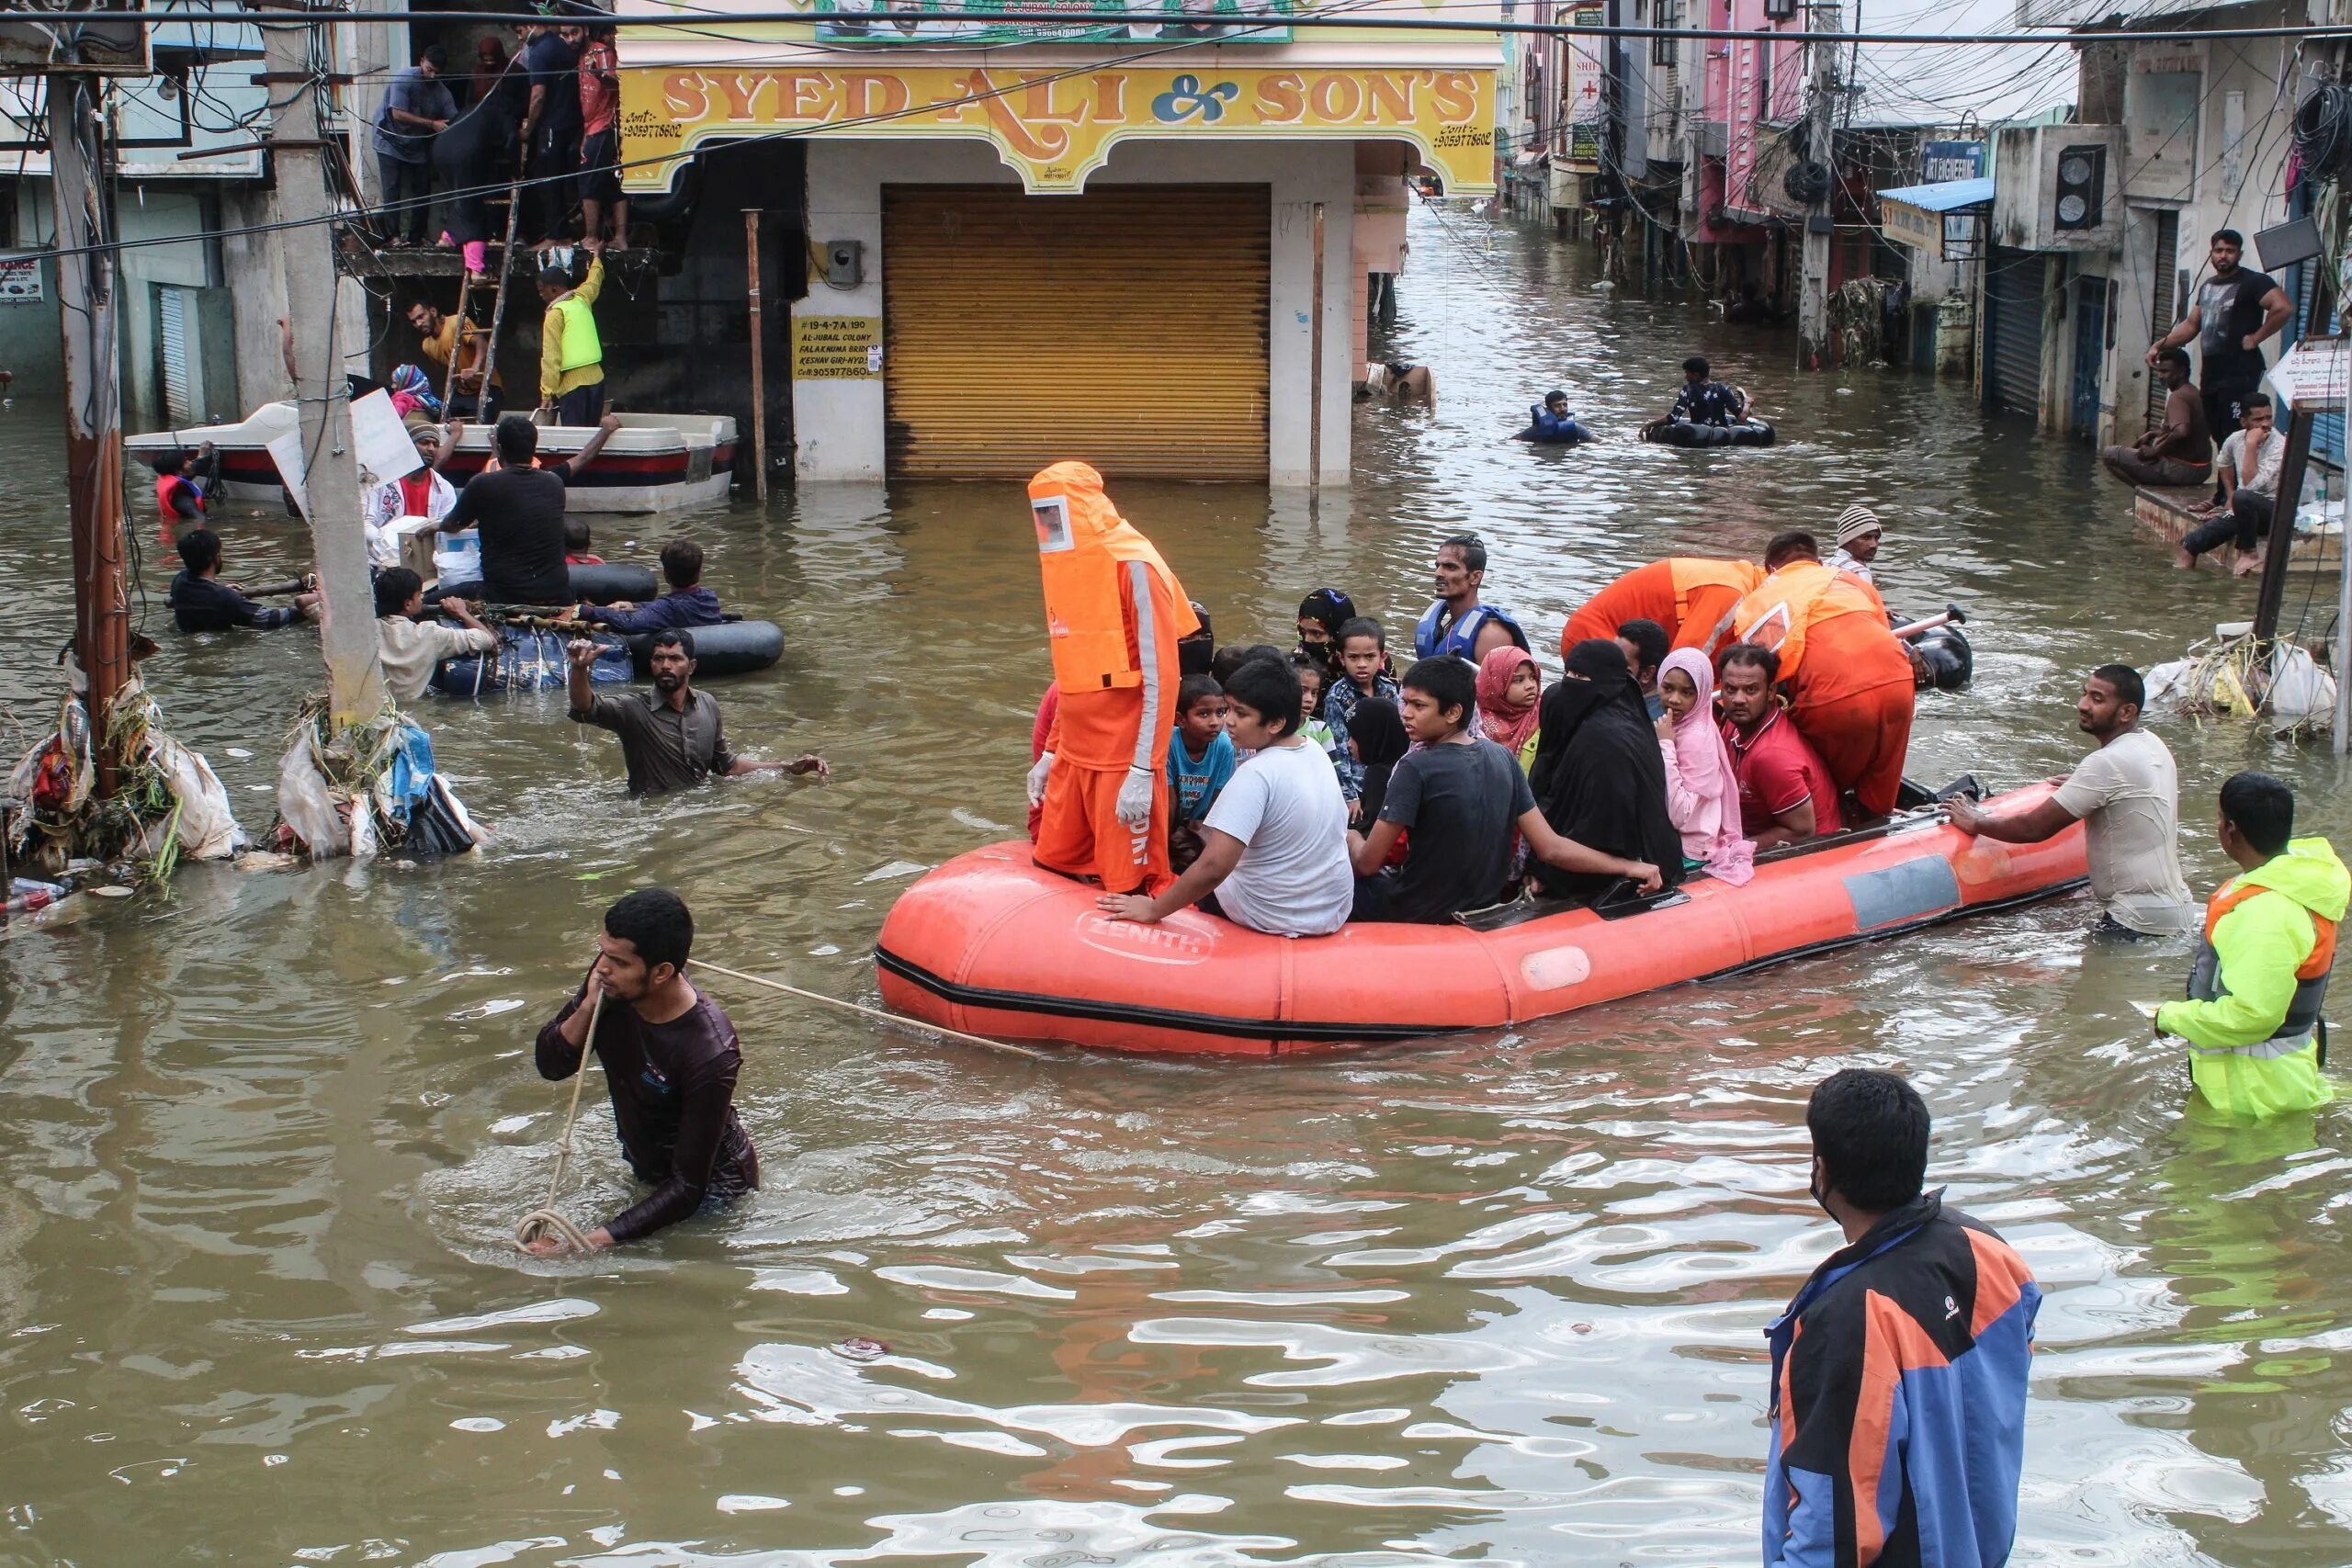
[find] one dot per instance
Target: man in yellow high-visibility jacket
(572, 359)
(2252, 1023)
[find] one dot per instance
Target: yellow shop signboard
(1057, 127)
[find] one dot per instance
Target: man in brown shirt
(2181, 450)
(670, 737)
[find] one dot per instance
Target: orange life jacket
(1782, 610)
(164, 485)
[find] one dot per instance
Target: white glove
(1133, 806)
(1037, 773)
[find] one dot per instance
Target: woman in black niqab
(1600, 778)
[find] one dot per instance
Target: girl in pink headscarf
(1509, 687)
(1701, 793)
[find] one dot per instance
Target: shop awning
(1939, 219)
(1944, 196)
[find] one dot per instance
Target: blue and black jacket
(1898, 1400)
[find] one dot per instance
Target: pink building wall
(1751, 80)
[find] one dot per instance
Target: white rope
(544, 1221)
(875, 1013)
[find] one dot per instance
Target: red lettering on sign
(1282, 98)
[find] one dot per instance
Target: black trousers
(555, 170)
(581, 405)
(2220, 400)
(407, 191)
(2245, 523)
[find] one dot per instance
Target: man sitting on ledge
(2178, 452)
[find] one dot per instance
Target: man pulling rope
(670, 1060)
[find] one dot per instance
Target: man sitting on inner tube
(1113, 615)
(1456, 623)
(1851, 687)
(1551, 423)
(1706, 401)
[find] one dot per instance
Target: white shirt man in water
(2127, 795)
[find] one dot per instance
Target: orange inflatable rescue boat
(990, 944)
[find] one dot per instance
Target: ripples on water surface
(1490, 1301)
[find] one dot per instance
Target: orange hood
(1082, 542)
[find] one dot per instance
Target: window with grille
(1665, 51)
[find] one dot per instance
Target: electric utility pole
(1813, 300)
(87, 279)
(296, 54)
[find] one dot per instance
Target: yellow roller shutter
(1124, 328)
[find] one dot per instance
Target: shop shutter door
(1124, 328)
(2013, 319)
(172, 345)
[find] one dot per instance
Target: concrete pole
(87, 302)
(1813, 298)
(1315, 366)
(759, 356)
(296, 55)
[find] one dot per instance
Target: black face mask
(1813, 1190)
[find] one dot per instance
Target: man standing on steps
(2235, 311)
(571, 357)
(417, 105)
(2127, 795)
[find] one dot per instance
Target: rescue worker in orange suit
(1849, 681)
(1114, 614)
(1691, 596)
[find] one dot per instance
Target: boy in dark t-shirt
(1459, 799)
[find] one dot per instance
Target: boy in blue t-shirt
(1199, 754)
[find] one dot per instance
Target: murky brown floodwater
(1496, 1301)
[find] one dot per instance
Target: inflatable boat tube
(990, 944)
(615, 580)
(612, 582)
(1950, 661)
(732, 647)
(526, 662)
(1682, 432)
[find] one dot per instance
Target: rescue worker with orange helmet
(1113, 615)
(1852, 689)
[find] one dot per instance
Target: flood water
(1495, 1299)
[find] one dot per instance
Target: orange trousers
(1080, 834)
(1863, 738)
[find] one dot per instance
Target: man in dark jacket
(200, 602)
(1899, 1371)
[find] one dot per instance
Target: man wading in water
(670, 1060)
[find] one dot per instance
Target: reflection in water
(1496, 1300)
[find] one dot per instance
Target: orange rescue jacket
(1113, 615)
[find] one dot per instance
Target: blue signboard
(1940, 161)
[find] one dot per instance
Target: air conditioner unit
(2051, 189)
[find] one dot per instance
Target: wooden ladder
(504, 262)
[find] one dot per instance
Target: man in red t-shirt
(600, 142)
(1785, 793)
